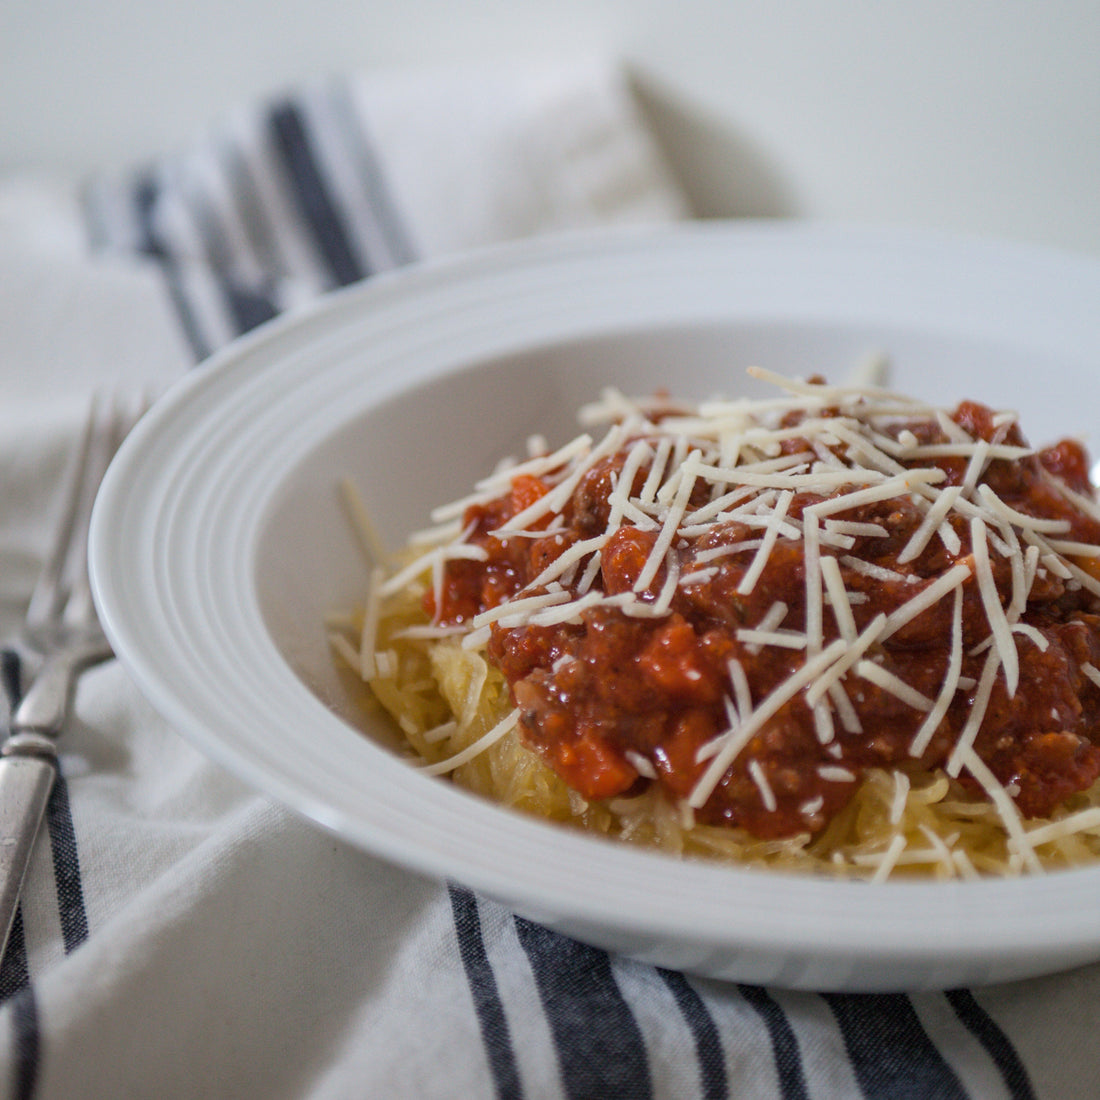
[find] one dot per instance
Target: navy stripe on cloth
(890, 1052)
(600, 1048)
(356, 139)
(14, 975)
(312, 194)
(14, 972)
(248, 307)
(66, 866)
(708, 1044)
(26, 1038)
(254, 216)
(985, 1029)
(11, 671)
(788, 1058)
(483, 988)
(145, 195)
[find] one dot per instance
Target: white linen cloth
(181, 935)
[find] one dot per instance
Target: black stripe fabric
(890, 1052)
(249, 308)
(11, 671)
(356, 137)
(14, 972)
(24, 1015)
(983, 1027)
(312, 195)
(599, 1045)
(246, 305)
(788, 1058)
(66, 866)
(708, 1044)
(14, 975)
(255, 220)
(483, 988)
(145, 196)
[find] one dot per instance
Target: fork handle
(28, 768)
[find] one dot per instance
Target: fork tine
(123, 416)
(62, 591)
(105, 441)
(48, 595)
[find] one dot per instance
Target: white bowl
(219, 545)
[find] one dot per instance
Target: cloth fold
(180, 935)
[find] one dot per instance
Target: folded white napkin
(182, 936)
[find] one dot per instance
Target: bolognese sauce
(750, 605)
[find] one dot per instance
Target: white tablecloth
(183, 936)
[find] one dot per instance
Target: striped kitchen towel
(183, 936)
(354, 177)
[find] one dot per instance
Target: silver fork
(62, 626)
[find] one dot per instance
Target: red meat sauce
(592, 695)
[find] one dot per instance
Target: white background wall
(964, 115)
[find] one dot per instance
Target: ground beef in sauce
(614, 701)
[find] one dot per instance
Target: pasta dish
(835, 630)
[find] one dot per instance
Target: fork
(62, 626)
